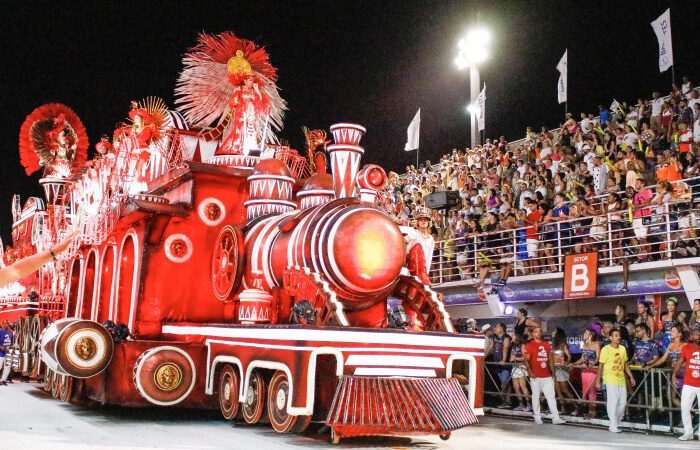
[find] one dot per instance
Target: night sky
(373, 63)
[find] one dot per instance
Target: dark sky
(372, 63)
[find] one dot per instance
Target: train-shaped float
(216, 267)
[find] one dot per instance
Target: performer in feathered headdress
(231, 81)
(53, 137)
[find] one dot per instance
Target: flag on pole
(561, 86)
(662, 28)
(413, 133)
(481, 111)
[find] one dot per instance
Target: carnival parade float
(216, 267)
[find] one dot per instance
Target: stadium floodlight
(473, 50)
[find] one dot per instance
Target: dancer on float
(420, 245)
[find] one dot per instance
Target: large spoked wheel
(302, 424)
(56, 385)
(277, 397)
(226, 263)
(254, 405)
(48, 379)
(65, 391)
(229, 383)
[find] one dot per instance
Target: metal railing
(668, 230)
(653, 404)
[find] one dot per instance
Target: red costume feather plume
(39, 130)
(206, 84)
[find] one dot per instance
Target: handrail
(653, 398)
(463, 257)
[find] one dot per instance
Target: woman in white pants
(690, 359)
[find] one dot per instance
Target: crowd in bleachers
(610, 176)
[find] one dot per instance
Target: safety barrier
(653, 404)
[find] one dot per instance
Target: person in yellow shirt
(612, 366)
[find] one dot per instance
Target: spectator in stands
(645, 315)
(6, 340)
(523, 323)
(487, 331)
(646, 351)
(590, 353)
(519, 374)
(690, 361)
(620, 316)
(606, 333)
(540, 367)
(612, 367)
(656, 108)
(562, 358)
(694, 323)
(604, 116)
(671, 357)
(501, 355)
(642, 216)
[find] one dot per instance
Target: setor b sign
(580, 275)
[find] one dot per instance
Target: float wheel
(277, 398)
(445, 436)
(254, 405)
(48, 378)
(56, 385)
(302, 424)
(65, 391)
(229, 383)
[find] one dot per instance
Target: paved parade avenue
(31, 419)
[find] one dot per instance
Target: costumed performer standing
(420, 245)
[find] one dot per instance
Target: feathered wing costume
(213, 88)
(53, 137)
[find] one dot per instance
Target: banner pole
(417, 153)
(673, 75)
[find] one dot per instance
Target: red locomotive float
(218, 268)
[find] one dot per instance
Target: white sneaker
(538, 421)
(615, 430)
(558, 421)
(687, 437)
(528, 408)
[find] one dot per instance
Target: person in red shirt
(534, 215)
(540, 367)
(690, 359)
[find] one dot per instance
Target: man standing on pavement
(612, 366)
(6, 338)
(540, 367)
(690, 359)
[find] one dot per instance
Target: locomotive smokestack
(345, 157)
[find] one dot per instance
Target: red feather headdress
(213, 69)
(42, 127)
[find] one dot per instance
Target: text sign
(580, 275)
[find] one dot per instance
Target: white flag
(561, 86)
(413, 133)
(481, 111)
(662, 28)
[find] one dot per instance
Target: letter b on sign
(580, 275)
(579, 278)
